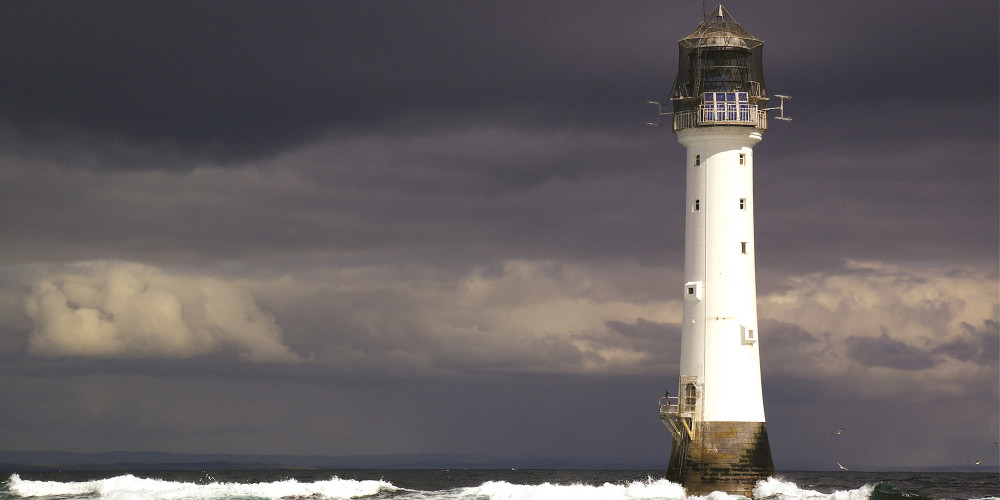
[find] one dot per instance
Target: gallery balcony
(706, 116)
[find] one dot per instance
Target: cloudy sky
(442, 227)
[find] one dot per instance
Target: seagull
(838, 431)
(977, 462)
(841, 466)
(993, 442)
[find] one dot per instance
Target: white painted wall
(714, 347)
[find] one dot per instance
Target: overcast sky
(443, 227)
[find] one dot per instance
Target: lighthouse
(718, 110)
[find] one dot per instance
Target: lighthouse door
(690, 397)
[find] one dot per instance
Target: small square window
(743, 247)
(696, 206)
(697, 160)
(743, 159)
(743, 203)
(692, 290)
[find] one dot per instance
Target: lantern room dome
(720, 29)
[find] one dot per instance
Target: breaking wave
(130, 487)
(777, 489)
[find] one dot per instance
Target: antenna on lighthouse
(660, 113)
(781, 108)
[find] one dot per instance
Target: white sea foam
(129, 487)
(501, 490)
(774, 488)
(651, 489)
(715, 495)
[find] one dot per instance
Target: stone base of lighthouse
(723, 456)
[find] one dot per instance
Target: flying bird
(977, 462)
(838, 431)
(993, 442)
(841, 466)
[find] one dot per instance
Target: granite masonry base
(723, 456)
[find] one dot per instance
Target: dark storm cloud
(889, 147)
(232, 80)
(221, 79)
(979, 345)
(643, 330)
(647, 336)
(401, 197)
(789, 345)
(895, 127)
(888, 352)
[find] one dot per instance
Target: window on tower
(697, 160)
(696, 206)
(743, 247)
(692, 290)
(743, 159)
(726, 107)
(743, 203)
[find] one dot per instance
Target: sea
(479, 484)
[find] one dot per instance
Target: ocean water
(477, 484)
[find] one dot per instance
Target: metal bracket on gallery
(781, 108)
(660, 113)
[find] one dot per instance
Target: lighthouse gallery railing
(714, 115)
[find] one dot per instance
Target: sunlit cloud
(874, 330)
(128, 310)
(868, 328)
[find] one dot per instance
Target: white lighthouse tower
(719, 114)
